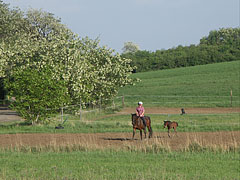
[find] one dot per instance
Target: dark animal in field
(183, 111)
(138, 124)
(171, 125)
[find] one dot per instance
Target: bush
(36, 94)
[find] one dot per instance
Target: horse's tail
(177, 123)
(151, 131)
(150, 127)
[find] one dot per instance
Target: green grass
(122, 123)
(111, 164)
(198, 86)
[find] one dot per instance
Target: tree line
(44, 65)
(219, 46)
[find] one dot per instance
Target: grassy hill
(199, 86)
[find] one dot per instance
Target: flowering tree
(89, 71)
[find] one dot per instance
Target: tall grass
(114, 164)
(198, 86)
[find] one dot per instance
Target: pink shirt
(140, 110)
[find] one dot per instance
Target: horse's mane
(167, 121)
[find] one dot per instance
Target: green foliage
(219, 46)
(2, 90)
(224, 36)
(36, 94)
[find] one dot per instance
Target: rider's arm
(143, 112)
(137, 113)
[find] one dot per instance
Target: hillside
(198, 86)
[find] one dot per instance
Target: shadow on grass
(16, 124)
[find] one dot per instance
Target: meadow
(211, 149)
(112, 164)
(198, 86)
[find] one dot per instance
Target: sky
(151, 24)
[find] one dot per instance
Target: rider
(140, 112)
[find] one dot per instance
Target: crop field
(100, 145)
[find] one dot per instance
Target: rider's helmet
(140, 102)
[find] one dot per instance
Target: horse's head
(134, 118)
(166, 123)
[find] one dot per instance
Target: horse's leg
(168, 132)
(175, 130)
(141, 133)
(134, 131)
(145, 132)
(149, 131)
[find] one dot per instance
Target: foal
(171, 125)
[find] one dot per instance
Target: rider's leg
(144, 122)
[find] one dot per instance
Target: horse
(171, 125)
(138, 124)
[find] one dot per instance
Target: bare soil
(159, 110)
(7, 115)
(122, 140)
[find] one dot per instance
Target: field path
(159, 110)
(7, 115)
(122, 140)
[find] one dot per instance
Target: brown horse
(171, 125)
(138, 124)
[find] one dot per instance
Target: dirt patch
(7, 115)
(122, 140)
(159, 110)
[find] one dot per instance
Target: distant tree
(219, 46)
(130, 47)
(229, 36)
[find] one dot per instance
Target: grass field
(122, 123)
(110, 164)
(198, 86)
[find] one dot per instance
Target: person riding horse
(140, 112)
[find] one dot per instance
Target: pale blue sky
(152, 24)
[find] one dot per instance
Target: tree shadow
(15, 124)
(9, 113)
(4, 108)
